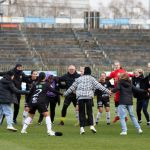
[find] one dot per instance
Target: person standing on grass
(115, 75)
(103, 99)
(142, 99)
(19, 77)
(29, 83)
(51, 97)
(37, 101)
(125, 87)
(84, 87)
(8, 97)
(68, 80)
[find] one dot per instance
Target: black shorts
(70, 98)
(105, 103)
(26, 104)
(41, 107)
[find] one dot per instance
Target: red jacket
(115, 75)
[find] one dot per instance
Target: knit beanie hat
(87, 71)
(10, 73)
(18, 65)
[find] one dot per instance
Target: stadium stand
(56, 48)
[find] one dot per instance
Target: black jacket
(142, 83)
(147, 82)
(19, 77)
(126, 92)
(68, 79)
(38, 93)
(8, 91)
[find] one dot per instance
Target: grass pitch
(106, 138)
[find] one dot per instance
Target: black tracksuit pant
(85, 107)
(68, 99)
(142, 104)
(16, 108)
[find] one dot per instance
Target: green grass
(106, 138)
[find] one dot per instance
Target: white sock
(48, 123)
(26, 123)
(98, 116)
(24, 115)
(93, 119)
(108, 117)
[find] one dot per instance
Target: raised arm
(71, 88)
(17, 91)
(100, 86)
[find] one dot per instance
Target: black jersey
(38, 92)
(102, 95)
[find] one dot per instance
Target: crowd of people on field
(43, 90)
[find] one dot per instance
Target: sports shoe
(116, 119)
(148, 123)
(11, 128)
(39, 123)
(51, 133)
(123, 133)
(93, 129)
(82, 130)
(24, 131)
(108, 123)
(61, 123)
(139, 121)
(140, 131)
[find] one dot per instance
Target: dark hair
(33, 71)
(10, 73)
(42, 76)
(87, 71)
(18, 65)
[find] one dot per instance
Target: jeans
(122, 114)
(5, 109)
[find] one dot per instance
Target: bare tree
(125, 9)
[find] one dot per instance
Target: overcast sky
(94, 3)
